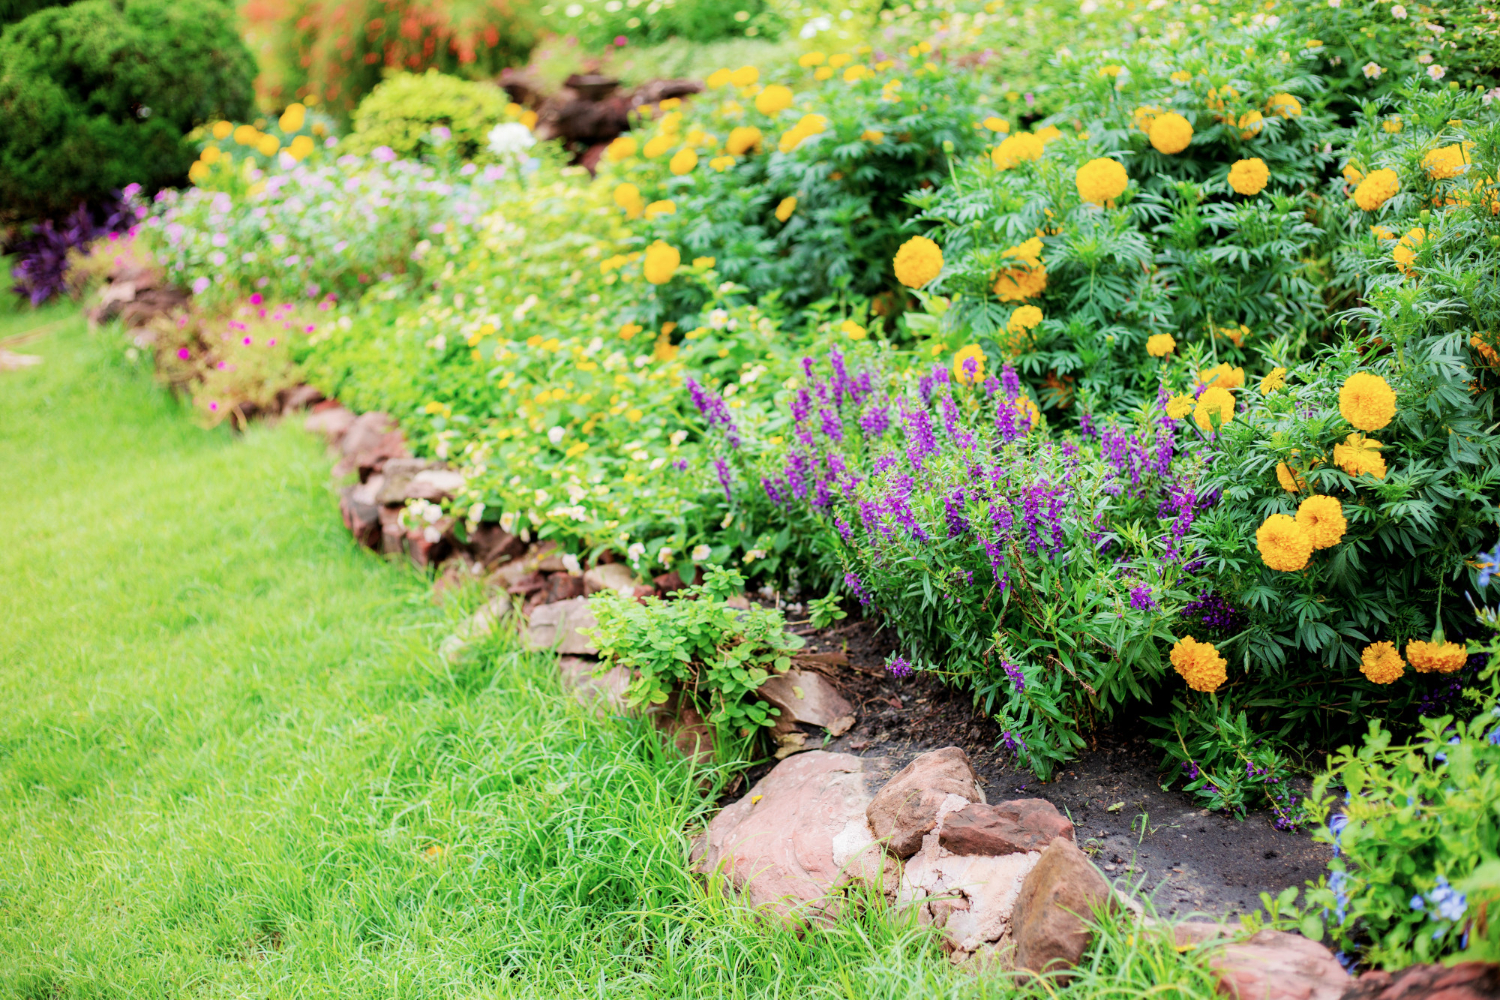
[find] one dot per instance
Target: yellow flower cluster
(1447, 161)
(807, 127)
(664, 207)
(628, 197)
(1284, 105)
(1101, 180)
(1436, 657)
(1213, 402)
(1023, 147)
(1289, 481)
(662, 260)
(742, 140)
(1367, 401)
(1249, 177)
(622, 148)
(683, 161)
(1275, 379)
(1170, 133)
(918, 261)
(1377, 189)
(773, 99)
(1284, 544)
(1381, 664)
(1027, 281)
(1322, 517)
(786, 208)
(1159, 345)
(1180, 406)
(1024, 318)
(1360, 455)
(1222, 375)
(1200, 664)
(1405, 252)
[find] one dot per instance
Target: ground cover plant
(243, 741)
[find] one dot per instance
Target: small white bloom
(508, 521)
(753, 555)
(432, 535)
(555, 435)
(718, 319)
(665, 556)
(635, 551)
(1398, 12)
(1436, 72)
(677, 437)
(1424, 58)
(570, 563)
(1373, 70)
(476, 513)
(510, 139)
(1335, 4)
(701, 552)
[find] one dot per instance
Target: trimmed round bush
(99, 94)
(402, 111)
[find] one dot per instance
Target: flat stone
(971, 897)
(436, 484)
(366, 431)
(905, 810)
(809, 697)
(333, 422)
(556, 626)
(360, 517)
(605, 693)
(1018, 825)
(1275, 965)
(610, 576)
(399, 474)
(298, 397)
(1464, 981)
(799, 837)
(1058, 898)
(491, 544)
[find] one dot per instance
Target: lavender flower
(1140, 597)
(1014, 673)
(726, 479)
(919, 437)
(953, 512)
(857, 588)
(714, 410)
(875, 422)
(898, 666)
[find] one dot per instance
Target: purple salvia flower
(898, 666)
(953, 512)
(857, 588)
(1014, 673)
(776, 496)
(1140, 597)
(925, 385)
(920, 441)
(832, 425)
(898, 505)
(875, 422)
(726, 478)
(1010, 382)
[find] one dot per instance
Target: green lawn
(231, 766)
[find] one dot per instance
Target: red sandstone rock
(1004, 828)
(1465, 981)
(1058, 898)
(906, 809)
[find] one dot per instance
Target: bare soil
(1158, 843)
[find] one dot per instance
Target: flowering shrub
(1201, 230)
(599, 23)
(797, 187)
(1416, 845)
(412, 113)
(1226, 765)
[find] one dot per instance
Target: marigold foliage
(1381, 664)
(1284, 544)
(1322, 517)
(918, 261)
(1101, 180)
(1199, 663)
(1367, 401)
(1436, 657)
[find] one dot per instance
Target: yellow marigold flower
(628, 197)
(704, 263)
(267, 145)
(1251, 123)
(222, 130)
(293, 118)
(968, 365)
(742, 140)
(810, 59)
(1170, 133)
(1213, 401)
(1026, 407)
(1200, 664)
(1023, 147)
(247, 135)
(853, 330)
(1405, 252)
(1322, 517)
(1017, 283)
(1029, 251)
(721, 163)
(622, 148)
(1353, 174)
(1159, 345)
(1111, 71)
(630, 330)
(873, 136)
(1377, 189)
(1180, 77)
(1222, 375)
(301, 147)
(211, 154)
(918, 261)
(661, 262)
(744, 76)
(1284, 544)
(1436, 657)
(840, 59)
(1101, 180)
(773, 99)
(198, 172)
(1144, 116)
(1381, 232)
(1048, 134)
(718, 78)
(1275, 379)
(1366, 401)
(823, 73)
(664, 207)
(1284, 105)
(786, 208)
(1180, 406)
(1381, 664)
(856, 73)
(1359, 456)
(1447, 161)
(1289, 481)
(1392, 125)
(658, 144)
(1024, 318)
(1249, 177)
(995, 124)
(683, 161)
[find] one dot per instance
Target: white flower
(665, 555)
(701, 552)
(511, 138)
(432, 535)
(718, 319)
(635, 551)
(1335, 3)
(753, 555)
(1424, 58)
(1373, 70)
(677, 437)
(476, 513)
(1436, 72)
(508, 521)
(570, 563)
(555, 435)
(1398, 12)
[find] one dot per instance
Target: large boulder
(906, 809)
(1465, 981)
(1017, 826)
(557, 625)
(1050, 921)
(1269, 965)
(800, 836)
(971, 897)
(605, 693)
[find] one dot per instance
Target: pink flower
(256, 299)
(248, 341)
(309, 328)
(620, 41)
(214, 407)
(271, 342)
(183, 353)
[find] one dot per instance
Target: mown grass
(231, 766)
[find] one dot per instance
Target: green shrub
(1416, 869)
(100, 94)
(12, 11)
(404, 109)
(598, 23)
(700, 649)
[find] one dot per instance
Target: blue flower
(1416, 902)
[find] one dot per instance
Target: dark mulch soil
(1186, 859)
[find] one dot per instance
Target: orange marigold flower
(918, 261)
(1323, 519)
(1214, 401)
(1381, 663)
(1101, 180)
(1170, 133)
(1222, 375)
(1436, 657)
(1405, 252)
(1199, 663)
(1447, 161)
(1290, 481)
(1283, 543)
(1249, 177)
(1377, 189)
(1367, 401)
(1023, 147)
(1159, 345)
